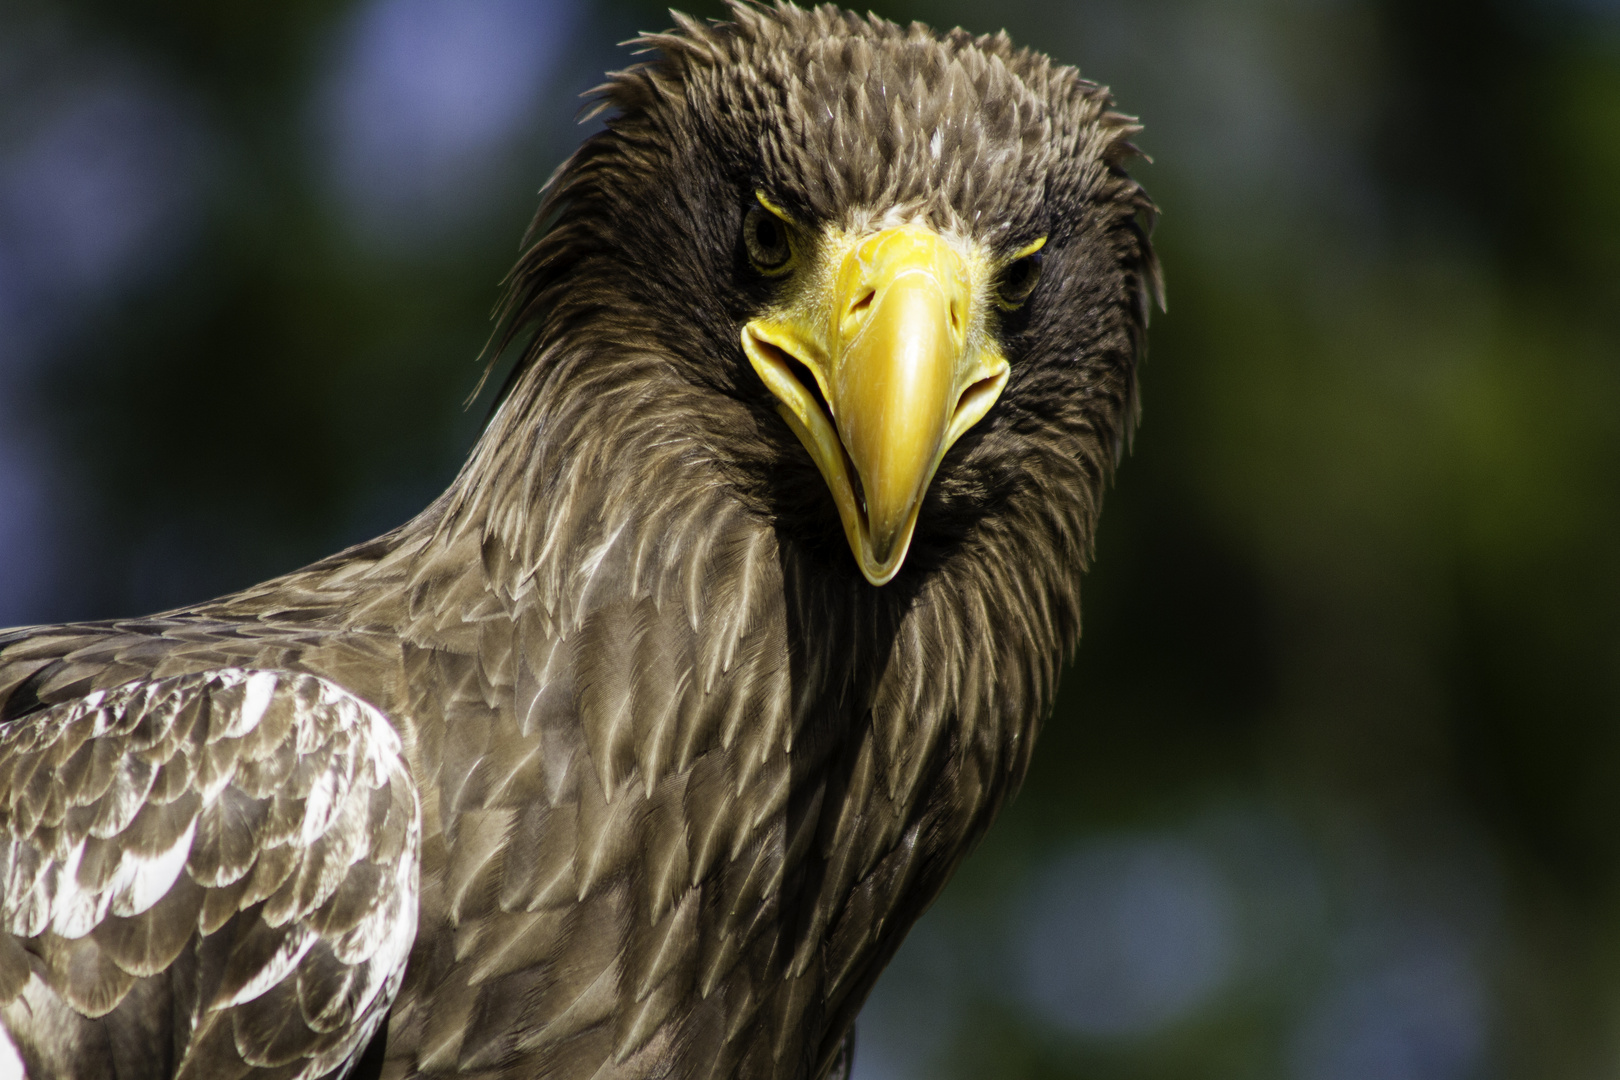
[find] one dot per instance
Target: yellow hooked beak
(889, 342)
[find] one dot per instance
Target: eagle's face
(919, 251)
(883, 348)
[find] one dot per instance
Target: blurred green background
(1333, 791)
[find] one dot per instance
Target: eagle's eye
(1019, 279)
(766, 237)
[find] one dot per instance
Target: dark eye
(766, 237)
(1020, 279)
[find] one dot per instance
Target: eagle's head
(913, 259)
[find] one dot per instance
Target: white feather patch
(75, 911)
(321, 803)
(140, 882)
(292, 950)
(256, 693)
(11, 1063)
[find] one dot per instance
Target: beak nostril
(860, 306)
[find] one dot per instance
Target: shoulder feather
(245, 841)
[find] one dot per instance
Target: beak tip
(881, 560)
(876, 575)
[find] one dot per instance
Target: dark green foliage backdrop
(1334, 787)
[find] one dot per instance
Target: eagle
(637, 752)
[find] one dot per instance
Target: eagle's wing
(207, 875)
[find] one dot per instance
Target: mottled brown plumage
(683, 777)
